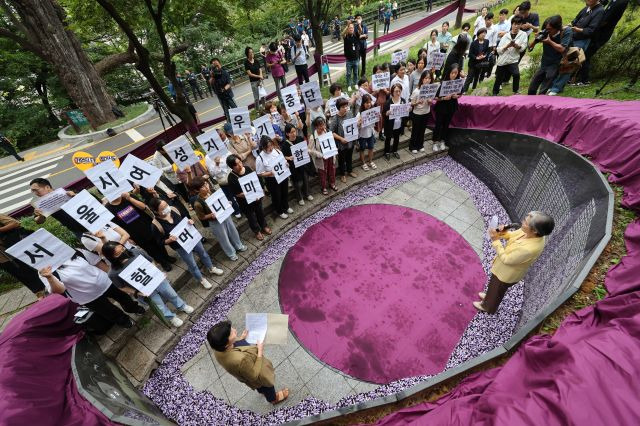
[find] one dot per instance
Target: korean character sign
(140, 172)
(399, 111)
(264, 127)
(300, 153)
(380, 81)
(333, 109)
(350, 128)
(291, 99)
(251, 187)
(212, 144)
(370, 116)
(452, 87)
(108, 180)
(435, 60)
(187, 235)
(142, 275)
(281, 169)
(401, 56)
(311, 94)
(41, 249)
(240, 120)
(428, 91)
(87, 211)
(327, 145)
(219, 205)
(181, 153)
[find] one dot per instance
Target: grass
(130, 112)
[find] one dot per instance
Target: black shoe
(387, 156)
(140, 310)
(172, 259)
(381, 136)
(125, 323)
(21, 159)
(395, 154)
(167, 267)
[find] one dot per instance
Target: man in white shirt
(492, 36)
(509, 49)
(81, 280)
(480, 21)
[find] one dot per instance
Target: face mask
(166, 211)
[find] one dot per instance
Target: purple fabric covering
(380, 292)
(36, 382)
(587, 373)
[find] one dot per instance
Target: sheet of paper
(277, 329)
(256, 324)
(52, 202)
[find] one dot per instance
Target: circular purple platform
(380, 292)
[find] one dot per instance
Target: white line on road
(134, 134)
(22, 177)
(17, 195)
(32, 166)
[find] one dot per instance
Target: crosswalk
(337, 48)
(14, 186)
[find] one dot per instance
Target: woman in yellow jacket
(522, 249)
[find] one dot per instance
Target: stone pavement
(296, 368)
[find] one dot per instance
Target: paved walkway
(301, 372)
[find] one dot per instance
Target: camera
(542, 35)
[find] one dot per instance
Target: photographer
(221, 82)
(556, 41)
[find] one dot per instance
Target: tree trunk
(59, 46)
(41, 88)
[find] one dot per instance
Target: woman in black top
(254, 71)
(300, 179)
(162, 192)
(445, 107)
(134, 216)
(393, 128)
(478, 57)
(253, 211)
(457, 55)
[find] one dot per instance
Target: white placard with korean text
(87, 211)
(212, 144)
(401, 56)
(300, 154)
(108, 180)
(140, 172)
(219, 205)
(350, 129)
(452, 87)
(41, 249)
(251, 187)
(291, 99)
(399, 111)
(281, 169)
(142, 275)
(327, 145)
(264, 126)
(311, 94)
(51, 202)
(181, 153)
(240, 120)
(380, 81)
(428, 91)
(370, 116)
(435, 60)
(187, 235)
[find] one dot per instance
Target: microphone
(510, 227)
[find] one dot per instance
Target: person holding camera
(555, 40)
(509, 50)
(221, 82)
(299, 56)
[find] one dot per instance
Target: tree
(143, 59)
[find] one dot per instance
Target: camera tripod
(633, 79)
(163, 112)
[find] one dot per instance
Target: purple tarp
(36, 383)
(588, 372)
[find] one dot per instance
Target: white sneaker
(349, 89)
(187, 309)
(435, 147)
(206, 284)
(289, 210)
(442, 146)
(176, 322)
(237, 216)
(414, 151)
(216, 271)
(243, 248)
(552, 94)
(301, 203)
(284, 216)
(421, 149)
(310, 198)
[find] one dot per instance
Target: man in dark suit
(613, 12)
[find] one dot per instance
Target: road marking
(22, 177)
(6, 166)
(32, 166)
(17, 195)
(15, 206)
(134, 134)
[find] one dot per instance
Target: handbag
(262, 93)
(572, 60)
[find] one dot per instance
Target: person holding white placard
(433, 45)
(225, 232)
(162, 161)
(345, 147)
(326, 167)
(414, 77)
(380, 97)
(253, 211)
(445, 107)
(336, 93)
(403, 79)
(419, 114)
(94, 242)
(268, 159)
(84, 283)
(119, 257)
(168, 218)
(41, 187)
(242, 146)
(298, 174)
(10, 233)
(293, 120)
(393, 127)
(366, 135)
(220, 172)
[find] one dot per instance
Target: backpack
(572, 60)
